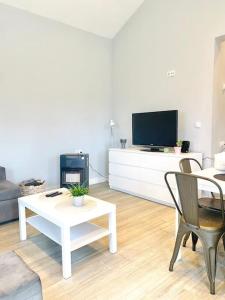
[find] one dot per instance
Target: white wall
(219, 97)
(56, 82)
(161, 36)
(55, 95)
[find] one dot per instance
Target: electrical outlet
(78, 151)
(223, 88)
(221, 144)
(171, 73)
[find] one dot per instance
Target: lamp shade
(111, 123)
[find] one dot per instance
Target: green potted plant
(177, 148)
(78, 191)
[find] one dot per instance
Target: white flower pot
(177, 150)
(78, 201)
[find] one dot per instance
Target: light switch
(198, 124)
(171, 73)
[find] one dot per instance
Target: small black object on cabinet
(185, 146)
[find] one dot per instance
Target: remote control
(53, 194)
(50, 194)
(57, 194)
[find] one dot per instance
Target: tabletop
(209, 173)
(60, 210)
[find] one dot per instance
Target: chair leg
(210, 254)
(210, 260)
(194, 241)
(223, 241)
(181, 231)
(186, 237)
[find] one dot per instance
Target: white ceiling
(102, 17)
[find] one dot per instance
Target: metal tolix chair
(207, 202)
(208, 225)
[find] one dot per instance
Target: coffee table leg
(66, 252)
(22, 222)
(112, 230)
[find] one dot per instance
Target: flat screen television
(155, 129)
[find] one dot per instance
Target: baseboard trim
(97, 180)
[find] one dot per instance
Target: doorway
(218, 121)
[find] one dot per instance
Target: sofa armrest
(2, 173)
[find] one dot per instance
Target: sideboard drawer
(141, 189)
(155, 161)
(137, 173)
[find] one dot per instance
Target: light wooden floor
(138, 271)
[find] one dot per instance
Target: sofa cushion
(2, 173)
(8, 210)
(8, 190)
(17, 280)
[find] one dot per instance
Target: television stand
(153, 149)
(141, 173)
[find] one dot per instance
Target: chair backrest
(185, 165)
(187, 185)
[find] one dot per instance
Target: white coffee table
(66, 224)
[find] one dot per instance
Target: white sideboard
(141, 173)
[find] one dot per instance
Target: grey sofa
(9, 193)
